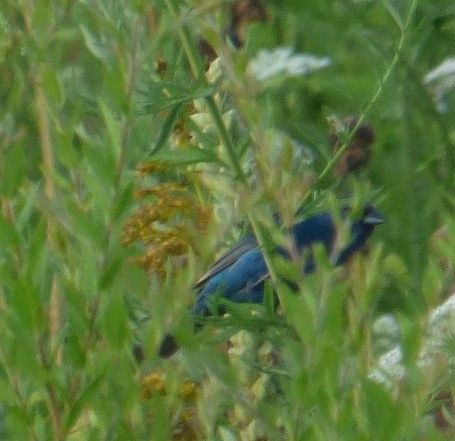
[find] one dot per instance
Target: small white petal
(270, 63)
(446, 68)
(390, 369)
(301, 64)
(440, 81)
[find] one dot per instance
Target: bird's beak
(374, 217)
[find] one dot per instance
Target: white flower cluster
(440, 331)
(282, 60)
(441, 80)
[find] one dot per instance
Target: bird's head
(361, 230)
(371, 217)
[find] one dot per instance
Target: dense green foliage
(91, 89)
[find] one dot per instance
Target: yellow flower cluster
(151, 167)
(181, 135)
(167, 223)
(152, 385)
(185, 424)
(189, 399)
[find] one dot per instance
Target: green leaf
(24, 302)
(208, 140)
(184, 157)
(167, 128)
(8, 233)
(13, 170)
(178, 92)
(77, 318)
(394, 13)
(115, 321)
(51, 85)
(82, 402)
(113, 129)
(155, 103)
(74, 352)
(23, 353)
(43, 20)
(37, 260)
(383, 413)
(18, 422)
(113, 90)
(86, 226)
(269, 298)
(123, 201)
(102, 164)
(64, 148)
(109, 274)
(98, 49)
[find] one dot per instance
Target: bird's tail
(168, 346)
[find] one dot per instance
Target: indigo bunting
(239, 275)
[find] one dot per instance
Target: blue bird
(239, 275)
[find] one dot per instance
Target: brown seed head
(359, 152)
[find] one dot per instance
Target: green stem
(226, 139)
(376, 95)
(197, 68)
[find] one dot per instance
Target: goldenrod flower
(153, 384)
(155, 223)
(189, 392)
(151, 167)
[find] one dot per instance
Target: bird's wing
(228, 259)
(245, 273)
